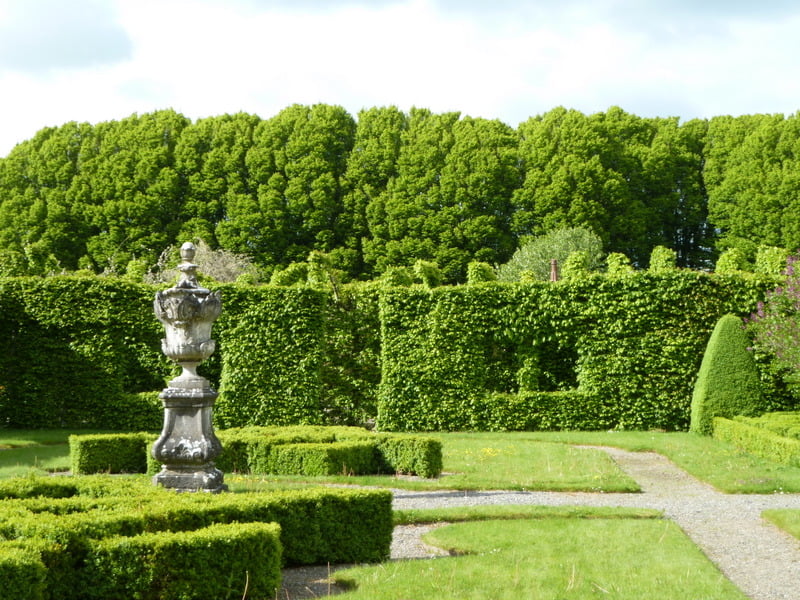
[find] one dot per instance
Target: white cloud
(506, 60)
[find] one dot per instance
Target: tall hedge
(73, 347)
(80, 350)
(727, 383)
(632, 345)
(271, 348)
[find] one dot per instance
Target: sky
(100, 60)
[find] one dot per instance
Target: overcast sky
(96, 60)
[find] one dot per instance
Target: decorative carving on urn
(188, 446)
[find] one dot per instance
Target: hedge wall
(632, 345)
(85, 352)
(73, 348)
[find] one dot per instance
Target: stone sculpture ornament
(188, 446)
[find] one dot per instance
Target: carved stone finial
(187, 268)
(188, 251)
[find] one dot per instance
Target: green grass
(787, 519)
(16, 462)
(554, 558)
(717, 463)
(515, 511)
(515, 460)
(490, 461)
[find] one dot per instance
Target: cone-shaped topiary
(727, 384)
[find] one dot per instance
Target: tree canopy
(387, 188)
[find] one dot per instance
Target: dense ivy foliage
(388, 188)
(85, 352)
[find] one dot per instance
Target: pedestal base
(206, 479)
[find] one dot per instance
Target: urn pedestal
(188, 446)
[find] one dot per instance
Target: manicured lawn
(513, 460)
(717, 463)
(785, 518)
(551, 558)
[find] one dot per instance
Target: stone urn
(188, 446)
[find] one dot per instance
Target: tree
(295, 166)
(210, 159)
(535, 255)
(371, 164)
(755, 191)
(449, 201)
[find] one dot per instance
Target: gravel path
(760, 559)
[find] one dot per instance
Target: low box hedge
(300, 450)
(22, 573)
(109, 453)
(758, 441)
(318, 526)
(219, 561)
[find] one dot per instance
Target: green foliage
(752, 194)
(535, 255)
(272, 350)
(771, 260)
(727, 384)
(543, 411)
(301, 450)
(218, 561)
(617, 265)
(635, 182)
(730, 261)
(785, 424)
(390, 188)
(78, 348)
(775, 326)
(759, 441)
(89, 537)
(109, 453)
(397, 277)
(577, 265)
(22, 573)
(429, 273)
(662, 259)
(480, 272)
(622, 342)
(295, 273)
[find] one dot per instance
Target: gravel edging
(762, 560)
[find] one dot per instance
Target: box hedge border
(758, 441)
(301, 450)
(317, 526)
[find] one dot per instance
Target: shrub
(786, 424)
(219, 561)
(731, 261)
(302, 450)
(535, 254)
(770, 260)
(544, 411)
(727, 383)
(109, 453)
(662, 259)
(480, 272)
(775, 326)
(617, 265)
(758, 441)
(22, 573)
